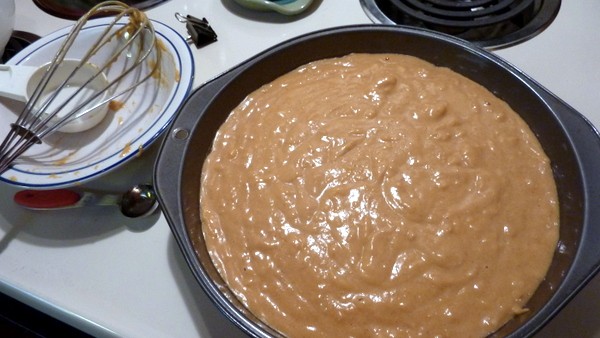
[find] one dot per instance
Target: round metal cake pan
(570, 141)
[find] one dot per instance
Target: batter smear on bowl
(379, 195)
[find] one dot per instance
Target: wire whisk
(55, 102)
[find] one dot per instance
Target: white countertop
(112, 276)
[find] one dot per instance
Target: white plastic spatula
(19, 83)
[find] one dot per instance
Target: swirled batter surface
(379, 195)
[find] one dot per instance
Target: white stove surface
(111, 276)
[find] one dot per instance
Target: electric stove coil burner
(488, 23)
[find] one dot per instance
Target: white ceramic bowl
(7, 22)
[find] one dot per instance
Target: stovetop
(486, 23)
(111, 276)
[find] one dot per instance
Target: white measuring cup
(19, 83)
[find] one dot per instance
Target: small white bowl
(7, 22)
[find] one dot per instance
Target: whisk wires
(38, 119)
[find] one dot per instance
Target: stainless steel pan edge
(169, 179)
(571, 141)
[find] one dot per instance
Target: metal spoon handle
(61, 199)
(139, 201)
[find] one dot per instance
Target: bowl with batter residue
(568, 139)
